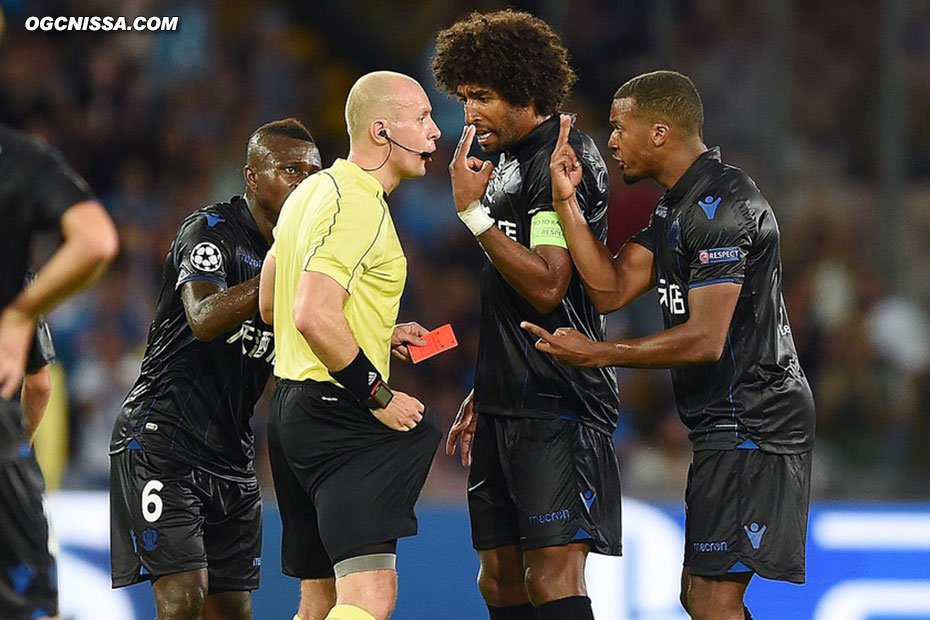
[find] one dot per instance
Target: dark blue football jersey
(513, 378)
(36, 188)
(715, 226)
(193, 400)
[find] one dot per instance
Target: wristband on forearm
(475, 217)
(364, 382)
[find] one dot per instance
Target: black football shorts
(28, 573)
(344, 482)
(167, 517)
(747, 512)
(542, 483)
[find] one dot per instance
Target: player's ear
(660, 132)
(251, 177)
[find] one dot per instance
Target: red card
(437, 341)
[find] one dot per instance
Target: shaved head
(379, 95)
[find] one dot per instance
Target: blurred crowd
(158, 123)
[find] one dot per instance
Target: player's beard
(505, 136)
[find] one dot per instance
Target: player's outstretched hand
(470, 176)
(403, 413)
(564, 167)
(568, 345)
(464, 426)
(16, 330)
(404, 334)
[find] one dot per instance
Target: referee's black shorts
(747, 512)
(343, 480)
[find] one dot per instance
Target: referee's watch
(380, 396)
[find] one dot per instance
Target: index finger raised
(536, 330)
(565, 126)
(464, 145)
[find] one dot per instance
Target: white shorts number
(151, 503)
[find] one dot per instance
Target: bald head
(382, 94)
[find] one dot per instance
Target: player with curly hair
(544, 485)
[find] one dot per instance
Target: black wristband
(364, 382)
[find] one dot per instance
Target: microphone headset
(391, 142)
(384, 134)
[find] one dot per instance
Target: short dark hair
(289, 127)
(669, 94)
(514, 53)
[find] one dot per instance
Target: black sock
(520, 612)
(574, 607)
(747, 615)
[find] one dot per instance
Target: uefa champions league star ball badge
(206, 257)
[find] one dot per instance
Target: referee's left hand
(16, 331)
(568, 345)
(404, 334)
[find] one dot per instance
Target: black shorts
(747, 512)
(167, 517)
(343, 480)
(543, 483)
(28, 581)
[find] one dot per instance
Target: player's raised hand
(470, 176)
(404, 334)
(16, 331)
(466, 420)
(403, 413)
(564, 167)
(568, 345)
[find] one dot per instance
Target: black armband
(364, 382)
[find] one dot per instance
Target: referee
(348, 454)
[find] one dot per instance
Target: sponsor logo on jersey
(671, 296)
(206, 257)
(250, 260)
(705, 547)
(257, 343)
(718, 255)
(661, 211)
(550, 517)
(709, 204)
(755, 532)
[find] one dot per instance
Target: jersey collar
(694, 172)
(365, 180)
(545, 134)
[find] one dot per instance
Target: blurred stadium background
(826, 103)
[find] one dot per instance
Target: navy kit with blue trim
(714, 226)
(36, 188)
(193, 400)
(513, 378)
(182, 484)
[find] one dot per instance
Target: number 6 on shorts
(151, 503)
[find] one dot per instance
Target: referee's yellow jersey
(337, 223)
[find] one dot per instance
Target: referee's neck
(375, 164)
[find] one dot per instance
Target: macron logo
(588, 498)
(709, 204)
(755, 532)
